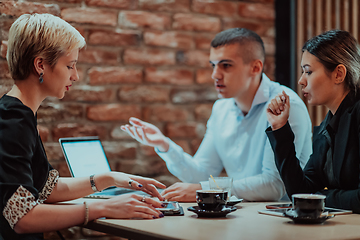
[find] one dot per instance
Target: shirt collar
(263, 93)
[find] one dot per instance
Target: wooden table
(244, 223)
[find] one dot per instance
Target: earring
(41, 78)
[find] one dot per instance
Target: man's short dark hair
(241, 36)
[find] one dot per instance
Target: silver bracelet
(86, 213)
(92, 183)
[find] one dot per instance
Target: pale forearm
(50, 217)
(72, 188)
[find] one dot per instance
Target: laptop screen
(84, 156)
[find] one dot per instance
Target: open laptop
(85, 156)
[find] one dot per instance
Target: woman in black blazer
(330, 77)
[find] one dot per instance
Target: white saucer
(233, 201)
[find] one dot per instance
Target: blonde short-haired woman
(42, 55)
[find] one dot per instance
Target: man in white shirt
(235, 138)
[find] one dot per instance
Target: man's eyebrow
(221, 61)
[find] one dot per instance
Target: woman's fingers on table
(133, 206)
(149, 186)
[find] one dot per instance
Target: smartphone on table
(170, 208)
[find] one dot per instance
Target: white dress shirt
(239, 144)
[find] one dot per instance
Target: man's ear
(257, 67)
(39, 65)
(339, 74)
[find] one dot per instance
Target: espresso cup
(308, 205)
(211, 199)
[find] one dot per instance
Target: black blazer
(344, 191)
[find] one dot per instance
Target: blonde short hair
(39, 35)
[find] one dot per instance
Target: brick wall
(144, 58)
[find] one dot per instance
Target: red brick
(85, 93)
(149, 167)
(262, 1)
(165, 113)
(95, 56)
(4, 89)
(147, 151)
(112, 112)
(5, 25)
(195, 58)
(141, 19)
(143, 93)
(181, 130)
(203, 111)
(90, 16)
(3, 49)
(125, 165)
(184, 96)
(77, 130)
(16, 8)
(203, 76)
(190, 96)
(184, 145)
(43, 132)
(191, 22)
(169, 76)
(203, 41)
(52, 112)
(114, 38)
(149, 57)
(69, 1)
(121, 4)
(195, 144)
(269, 67)
(63, 170)
(113, 75)
(125, 150)
(54, 154)
(269, 44)
(221, 8)
(257, 11)
(165, 5)
(169, 39)
(117, 133)
(270, 31)
(258, 27)
(4, 70)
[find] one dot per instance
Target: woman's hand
(127, 206)
(147, 134)
(147, 185)
(278, 111)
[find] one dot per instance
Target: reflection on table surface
(244, 223)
